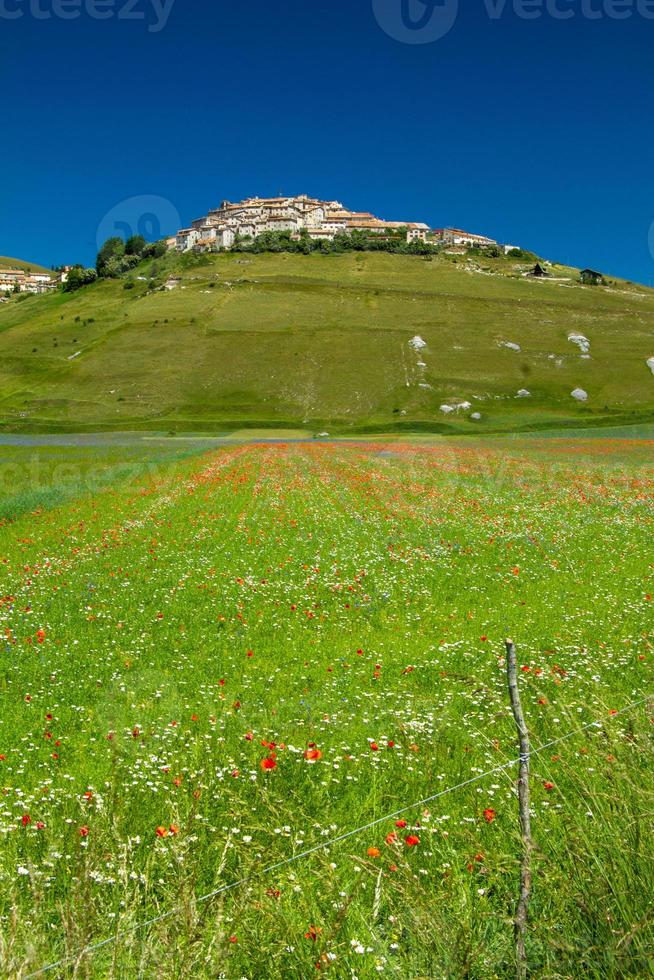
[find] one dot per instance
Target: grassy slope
(324, 341)
(6, 262)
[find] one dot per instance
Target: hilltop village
(308, 217)
(302, 219)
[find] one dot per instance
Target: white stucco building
(12, 280)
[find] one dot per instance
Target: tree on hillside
(154, 250)
(113, 248)
(79, 277)
(135, 245)
(116, 256)
(115, 266)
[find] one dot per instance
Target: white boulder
(583, 343)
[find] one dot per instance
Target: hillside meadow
(216, 662)
(348, 343)
(8, 263)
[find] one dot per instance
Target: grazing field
(219, 663)
(358, 342)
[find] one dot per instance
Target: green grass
(322, 342)
(40, 478)
(373, 585)
(8, 263)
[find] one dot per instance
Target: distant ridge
(8, 263)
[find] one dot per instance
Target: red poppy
(40, 636)
(412, 840)
(373, 852)
(312, 755)
(400, 823)
(268, 763)
(548, 786)
(84, 831)
(161, 831)
(313, 933)
(173, 829)
(25, 819)
(233, 939)
(489, 815)
(374, 747)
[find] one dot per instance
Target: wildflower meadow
(254, 718)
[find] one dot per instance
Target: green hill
(8, 263)
(327, 341)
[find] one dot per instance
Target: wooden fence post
(522, 910)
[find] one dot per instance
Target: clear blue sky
(535, 131)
